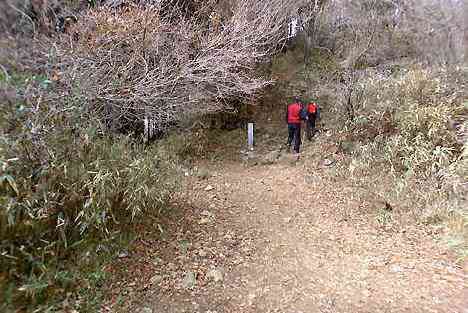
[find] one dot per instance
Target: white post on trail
(146, 130)
(250, 135)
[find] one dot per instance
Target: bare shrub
(140, 63)
(430, 31)
(32, 17)
(435, 28)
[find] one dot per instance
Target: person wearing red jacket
(293, 118)
(311, 118)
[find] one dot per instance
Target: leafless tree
(372, 33)
(435, 28)
(312, 17)
(143, 63)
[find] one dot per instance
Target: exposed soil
(285, 237)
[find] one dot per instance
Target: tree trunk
(349, 105)
(307, 47)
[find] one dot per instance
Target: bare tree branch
(179, 70)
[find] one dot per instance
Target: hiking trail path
(286, 238)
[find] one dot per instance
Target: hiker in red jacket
(293, 118)
(311, 118)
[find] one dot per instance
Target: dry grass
(423, 153)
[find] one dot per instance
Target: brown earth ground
(286, 236)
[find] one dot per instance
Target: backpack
(317, 112)
(312, 107)
(304, 113)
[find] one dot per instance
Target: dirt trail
(286, 240)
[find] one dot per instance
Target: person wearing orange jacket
(312, 110)
(293, 118)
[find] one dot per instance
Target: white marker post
(250, 135)
(146, 130)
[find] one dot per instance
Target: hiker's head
(297, 99)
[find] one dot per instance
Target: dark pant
(311, 126)
(294, 133)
